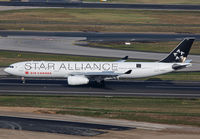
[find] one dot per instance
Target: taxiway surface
(14, 86)
(104, 5)
(23, 119)
(106, 36)
(59, 127)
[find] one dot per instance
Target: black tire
(102, 84)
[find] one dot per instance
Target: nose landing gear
(23, 80)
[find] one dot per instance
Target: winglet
(128, 72)
(188, 61)
(123, 59)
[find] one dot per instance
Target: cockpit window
(11, 67)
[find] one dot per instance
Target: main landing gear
(99, 83)
(102, 83)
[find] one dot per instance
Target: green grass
(9, 57)
(171, 111)
(150, 1)
(102, 20)
(177, 76)
(164, 47)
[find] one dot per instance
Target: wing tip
(128, 72)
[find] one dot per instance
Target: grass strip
(9, 57)
(170, 111)
(176, 76)
(160, 47)
(102, 20)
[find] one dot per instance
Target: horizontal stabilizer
(180, 66)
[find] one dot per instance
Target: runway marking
(168, 87)
(101, 93)
(132, 81)
(31, 84)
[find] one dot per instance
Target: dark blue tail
(180, 53)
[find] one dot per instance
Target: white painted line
(100, 93)
(174, 87)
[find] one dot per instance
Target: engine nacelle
(77, 80)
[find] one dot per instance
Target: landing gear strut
(23, 80)
(98, 83)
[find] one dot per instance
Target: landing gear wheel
(23, 80)
(102, 83)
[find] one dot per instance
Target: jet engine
(77, 80)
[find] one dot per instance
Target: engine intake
(77, 80)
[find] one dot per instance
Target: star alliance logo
(179, 55)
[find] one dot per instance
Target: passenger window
(138, 65)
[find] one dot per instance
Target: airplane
(81, 73)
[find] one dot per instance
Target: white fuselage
(63, 69)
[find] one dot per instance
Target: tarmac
(7, 8)
(129, 88)
(105, 36)
(105, 5)
(28, 119)
(2, 73)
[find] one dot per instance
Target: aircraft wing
(123, 59)
(100, 75)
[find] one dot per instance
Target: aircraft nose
(7, 70)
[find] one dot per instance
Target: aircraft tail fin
(180, 53)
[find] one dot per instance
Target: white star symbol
(182, 52)
(178, 51)
(178, 54)
(175, 54)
